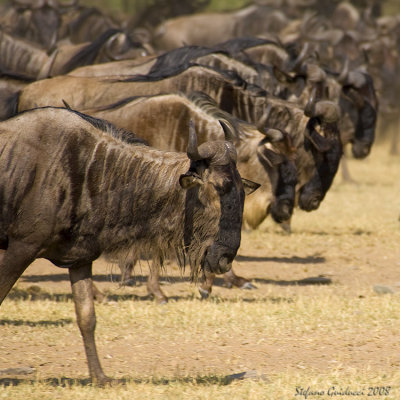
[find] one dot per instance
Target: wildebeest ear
(249, 186)
(273, 135)
(282, 76)
(320, 142)
(270, 157)
(189, 180)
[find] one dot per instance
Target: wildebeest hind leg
(13, 262)
(153, 284)
(82, 292)
(98, 295)
(345, 170)
(126, 272)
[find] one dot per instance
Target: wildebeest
(22, 57)
(315, 135)
(263, 157)
(25, 58)
(71, 191)
(37, 20)
(207, 29)
(352, 89)
(45, 22)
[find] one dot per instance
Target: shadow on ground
(68, 382)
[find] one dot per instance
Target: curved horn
(263, 120)
(327, 111)
(45, 71)
(192, 148)
(274, 135)
(309, 108)
(107, 48)
(227, 131)
(345, 71)
(300, 58)
(356, 79)
(354, 96)
(307, 23)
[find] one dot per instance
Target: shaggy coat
(261, 157)
(232, 94)
(77, 192)
(72, 191)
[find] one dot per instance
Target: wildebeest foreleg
(82, 292)
(345, 170)
(153, 284)
(230, 278)
(13, 262)
(206, 287)
(394, 142)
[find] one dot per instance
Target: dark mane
(106, 126)
(88, 54)
(103, 125)
(181, 55)
(158, 75)
(5, 73)
(232, 76)
(119, 103)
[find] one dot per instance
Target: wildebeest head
(326, 150)
(121, 47)
(213, 176)
(282, 171)
(359, 98)
(44, 19)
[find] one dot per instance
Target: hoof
(105, 381)
(99, 297)
(286, 227)
(128, 282)
(204, 293)
(248, 286)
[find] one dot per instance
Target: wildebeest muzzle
(218, 258)
(361, 149)
(310, 197)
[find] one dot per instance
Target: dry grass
(296, 334)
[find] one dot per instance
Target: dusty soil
(351, 242)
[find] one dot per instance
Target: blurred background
(128, 6)
(117, 7)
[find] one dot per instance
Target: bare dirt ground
(340, 257)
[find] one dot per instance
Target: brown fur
(173, 112)
(229, 91)
(72, 173)
(71, 191)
